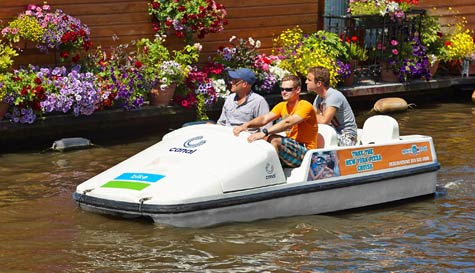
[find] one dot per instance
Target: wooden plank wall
(449, 10)
(129, 20)
(261, 19)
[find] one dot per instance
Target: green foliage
(200, 107)
(187, 18)
(356, 52)
(188, 55)
(22, 83)
(299, 52)
(27, 28)
(6, 56)
(155, 56)
(432, 37)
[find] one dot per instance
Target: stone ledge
(114, 124)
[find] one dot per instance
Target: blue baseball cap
(244, 74)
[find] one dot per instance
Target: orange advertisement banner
(353, 161)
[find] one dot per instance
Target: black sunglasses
(287, 89)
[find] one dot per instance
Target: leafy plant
(459, 43)
(26, 27)
(300, 52)
(354, 50)
(244, 53)
(187, 17)
(394, 8)
(120, 76)
(50, 30)
(23, 91)
(408, 59)
(7, 54)
(162, 66)
(432, 37)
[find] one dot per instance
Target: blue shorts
(291, 152)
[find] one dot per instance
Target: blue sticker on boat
(141, 177)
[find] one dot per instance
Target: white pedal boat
(203, 175)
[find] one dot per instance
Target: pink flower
(394, 43)
(395, 52)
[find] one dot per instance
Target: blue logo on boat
(141, 177)
(194, 142)
(414, 150)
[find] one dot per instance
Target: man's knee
(275, 141)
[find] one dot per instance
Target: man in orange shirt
(298, 121)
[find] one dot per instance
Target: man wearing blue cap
(242, 105)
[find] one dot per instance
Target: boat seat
(358, 137)
(379, 129)
(326, 136)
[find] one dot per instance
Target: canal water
(42, 230)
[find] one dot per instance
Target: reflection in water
(42, 230)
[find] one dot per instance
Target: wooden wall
(129, 20)
(449, 10)
(260, 19)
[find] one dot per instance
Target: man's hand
(256, 136)
(239, 129)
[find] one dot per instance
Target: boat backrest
(326, 136)
(379, 129)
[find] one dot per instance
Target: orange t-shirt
(306, 131)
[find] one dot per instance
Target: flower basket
(471, 68)
(387, 74)
(3, 109)
(458, 68)
(350, 80)
(160, 97)
(433, 68)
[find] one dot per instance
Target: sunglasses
(235, 81)
(289, 89)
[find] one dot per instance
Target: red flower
(155, 5)
(181, 8)
(185, 103)
(354, 39)
(86, 45)
(76, 58)
(24, 91)
(36, 106)
(64, 54)
(37, 80)
(448, 43)
(156, 27)
(138, 64)
(180, 34)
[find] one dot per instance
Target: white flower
(258, 44)
(278, 72)
(232, 39)
(198, 46)
(219, 86)
(432, 58)
(251, 41)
